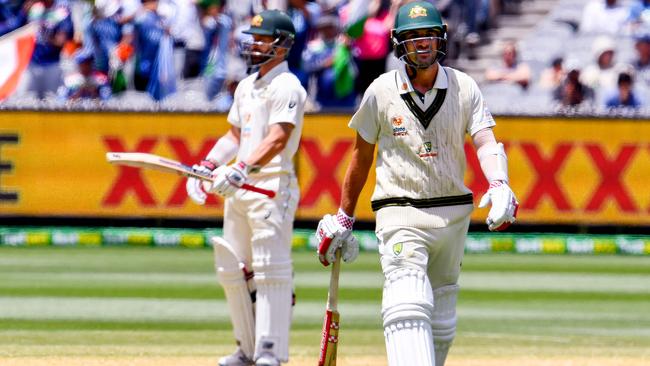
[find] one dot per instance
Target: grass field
(162, 306)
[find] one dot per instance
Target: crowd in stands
(187, 50)
(591, 55)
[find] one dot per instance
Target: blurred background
(107, 265)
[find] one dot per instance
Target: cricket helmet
(268, 23)
(411, 48)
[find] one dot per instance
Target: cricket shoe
(267, 359)
(236, 359)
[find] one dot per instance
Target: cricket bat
(156, 162)
(330, 336)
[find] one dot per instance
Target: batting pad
(273, 318)
(231, 275)
(407, 309)
(443, 323)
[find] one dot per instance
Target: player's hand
(335, 232)
(229, 179)
(504, 206)
(196, 188)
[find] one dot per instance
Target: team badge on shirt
(398, 129)
(397, 248)
(427, 151)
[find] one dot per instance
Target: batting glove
(228, 180)
(335, 232)
(194, 186)
(504, 206)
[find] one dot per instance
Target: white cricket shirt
(420, 146)
(277, 97)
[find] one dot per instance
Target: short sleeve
(480, 117)
(287, 104)
(233, 115)
(365, 120)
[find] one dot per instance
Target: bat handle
(263, 191)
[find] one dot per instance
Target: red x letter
(546, 170)
(325, 166)
(183, 154)
(129, 179)
(610, 173)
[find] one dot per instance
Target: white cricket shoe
(267, 359)
(236, 359)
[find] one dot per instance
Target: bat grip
(263, 191)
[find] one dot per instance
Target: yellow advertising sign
(563, 171)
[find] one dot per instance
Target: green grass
(165, 302)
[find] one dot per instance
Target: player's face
(260, 48)
(421, 46)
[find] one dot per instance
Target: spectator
(642, 61)
(511, 70)
(553, 75)
(148, 33)
(603, 72)
(44, 74)
(105, 32)
(189, 40)
(318, 60)
(303, 15)
(639, 14)
(604, 16)
(624, 96)
(217, 28)
(371, 49)
(573, 93)
(86, 82)
(12, 16)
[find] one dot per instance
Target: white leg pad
(407, 309)
(274, 281)
(443, 323)
(238, 285)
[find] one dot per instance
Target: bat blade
(330, 339)
(330, 335)
(156, 162)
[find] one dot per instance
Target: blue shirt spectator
(318, 61)
(55, 29)
(303, 15)
(624, 96)
(12, 16)
(217, 28)
(86, 82)
(148, 32)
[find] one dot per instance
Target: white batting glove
(228, 180)
(504, 206)
(335, 232)
(196, 188)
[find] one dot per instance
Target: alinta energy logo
(398, 129)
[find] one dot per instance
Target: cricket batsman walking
(416, 118)
(253, 259)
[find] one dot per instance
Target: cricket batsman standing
(266, 118)
(417, 117)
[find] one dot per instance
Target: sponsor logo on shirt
(398, 129)
(292, 104)
(426, 151)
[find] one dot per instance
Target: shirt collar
(406, 86)
(275, 71)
